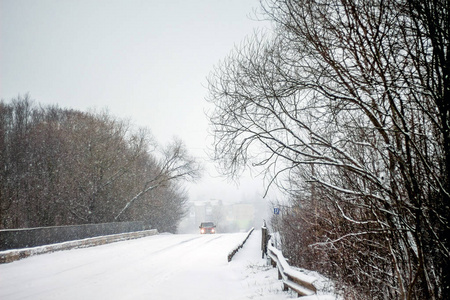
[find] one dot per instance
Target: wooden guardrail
(295, 280)
(264, 238)
(236, 249)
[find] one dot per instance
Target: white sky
(143, 60)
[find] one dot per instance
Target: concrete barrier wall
(16, 254)
(32, 237)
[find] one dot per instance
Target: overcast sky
(146, 61)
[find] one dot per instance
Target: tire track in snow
(175, 245)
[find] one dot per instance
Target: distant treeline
(65, 167)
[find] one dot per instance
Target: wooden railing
(292, 279)
(236, 249)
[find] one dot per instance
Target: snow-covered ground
(158, 267)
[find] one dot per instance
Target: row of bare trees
(345, 106)
(64, 167)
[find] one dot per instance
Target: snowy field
(156, 267)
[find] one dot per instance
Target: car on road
(207, 227)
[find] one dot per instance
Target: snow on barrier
(295, 280)
(236, 249)
(40, 236)
(16, 254)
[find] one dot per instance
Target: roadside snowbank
(262, 278)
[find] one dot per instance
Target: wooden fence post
(264, 239)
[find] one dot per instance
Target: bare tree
(63, 167)
(100, 154)
(175, 165)
(343, 108)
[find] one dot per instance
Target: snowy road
(156, 267)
